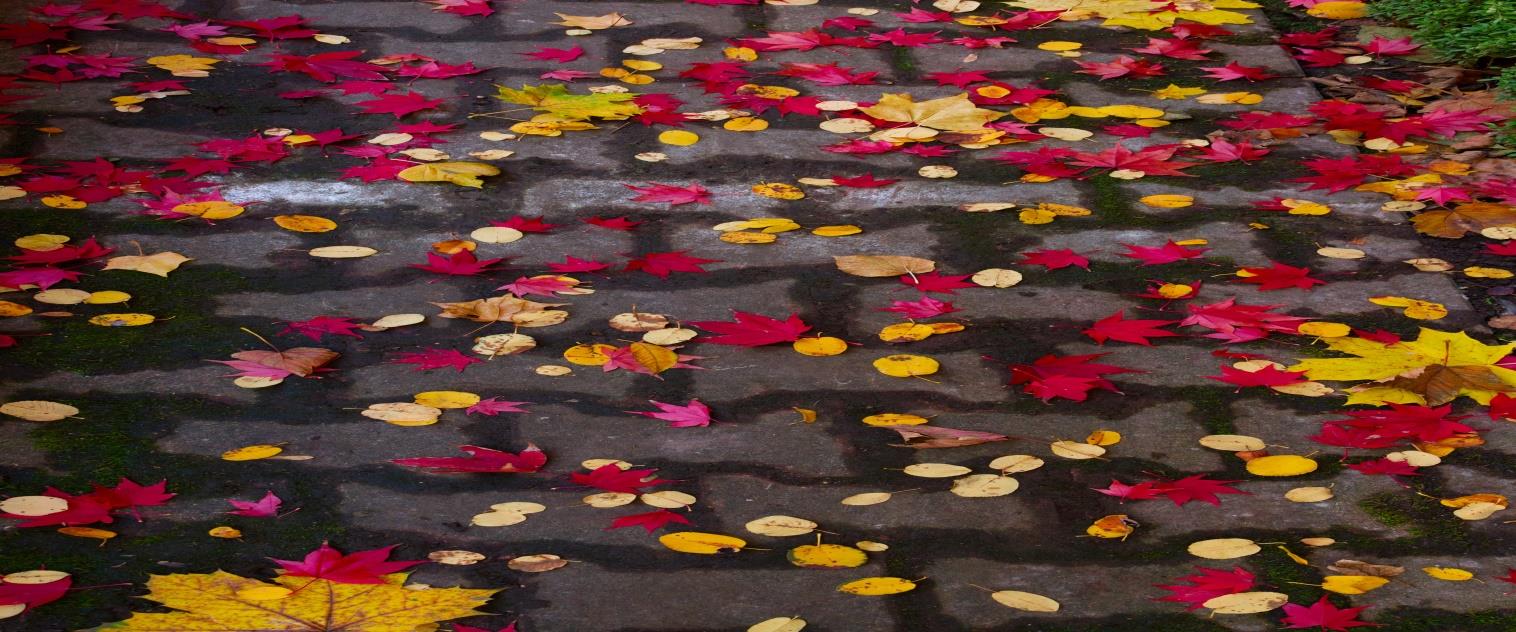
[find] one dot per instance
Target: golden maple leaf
(1148, 15)
(954, 113)
(505, 308)
(1435, 368)
(1464, 218)
(223, 602)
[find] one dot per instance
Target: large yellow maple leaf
(1435, 368)
(223, 602)
(955, 113)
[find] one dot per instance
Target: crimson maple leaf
(399, 104)
(432, 359)
(560, 55)
(693, 414)
(787, 40)
(1070, 377)
(1055, 259)
(1223, 150)
(316, 327)
(1233, 71)
(30, 594)
(363, 567)
(753, 330)
(572, 264)
(661, 264)
(1176, 48)
(1208, 584)
(614, 479)
(1196, 487)
(937, 282)
(1322, 615)
(1267, 376)
(651, 521)
(326, 67)
(43, 278)
(1153, 160)
(827, 74)
(494, 406)
(959, 79)
(1169, 252)
(1234, 322)
(526, 224)
(672, 194)
(1145, 490)
(865, 181)
(1384, 467)
(925, 307)
(613, 223)
(127, 494)
(266, 507)
(482, 460)
(1117, 327)
(461, 263)
(1120, 67)
(480, 8)
(1279, 276)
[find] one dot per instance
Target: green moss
(1212, 406)
(1430, 523)
(1432, 620)
(903, 62)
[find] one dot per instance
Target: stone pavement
(153, 408)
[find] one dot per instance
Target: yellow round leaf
(905, 332)
(41, 242)
(1168, 200)
(827, 556)
(1059, 46)
(836, 231)
(905, 365)
(304, 223)
(984, 486)
(225, 533)
(1103, 438)
(668, 499)
(122, 320)
(876, 586)
(1016, 463)
(1224, 548)
(1338, 10)
(1246, 602)
(447, 399)
(588, 355)
(1312, 494)
(820, 346)
(1075, 450)
(701, 543)
(894, 419)
(678, 138)
(867, 498)
(9, 309)
(1030, 602)
(779, 191)
(36, 410)
(33, 506)
(936, 470)
(251, 452)
(61, 296)
(1232, 443)
(1447, 574)
(1281, 465)
(1325, 329)
(1131, 111)
(746, 124)
(1352, 584)
(68, 202)
(748, 237)
(780, 526)
(778, 624)
(211, 209)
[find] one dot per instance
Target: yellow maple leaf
(954, 113)
(223, 602)
(1149, 15)
(1438, 366)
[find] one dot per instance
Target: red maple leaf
(1222, 150)
(898, 37)
(1234, 322)
(1176, 48)
(1234, 70)
(573, 264)
(1145, 490)
(480, 8)
(1267, 376)
(1122, 66)
(1279, 276)
(363, 567)
(545, 285)
(613, 223)
(827, 74)
(326, 67)
(482, 460)
(1153, 160)
(1070, 377)
(399, 104)
(1054, 259)
(526, 224)
(127, 494)
(1208, 584)
(461, 263)
(691, 415)
(494, 406)
(960, 79)
(316, 327)
(1117, 327)
(560, 55)
(651, 521)
(753, 330)
(1322, 615)
(925, 307)
(1169, 252)
(438, 70)
(661, 264)
(1384, 467)
(87, 249)
(43, 278)
(432, 359)
(937, 282)
(865, 181)
(266, 507)
(614, 479)
(787, 40)
(672, 194)
(1196, 487)
(1502, 407)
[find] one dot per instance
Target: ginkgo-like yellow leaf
(223, 602)
(954, 113)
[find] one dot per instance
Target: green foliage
(1465, 31)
